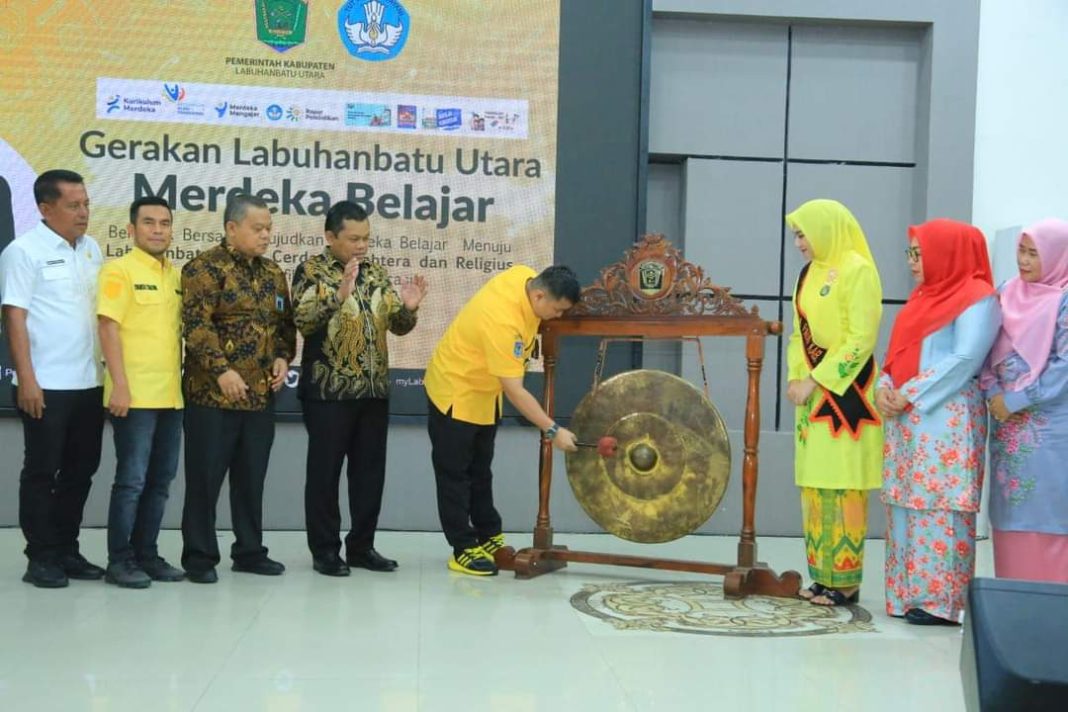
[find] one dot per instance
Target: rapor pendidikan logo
(373, 30)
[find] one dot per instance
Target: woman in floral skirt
(1027, 383)
(936, 422)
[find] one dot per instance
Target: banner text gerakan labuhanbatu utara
(440, 208)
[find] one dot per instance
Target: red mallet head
(607, 446)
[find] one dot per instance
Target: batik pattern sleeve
(285, 335)
(401, 319)
(201, 293)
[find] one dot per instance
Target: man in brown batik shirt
(240, 338)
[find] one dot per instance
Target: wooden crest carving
(654, 279)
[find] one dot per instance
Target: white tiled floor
(427, 639)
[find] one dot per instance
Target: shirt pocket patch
(57, 281)
(147, 294)
(52, 273)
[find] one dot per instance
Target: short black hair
(136, 206)
(560, 282)
(46, 187)
(237, 206)
(342, 211)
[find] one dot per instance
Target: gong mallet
(605, 447)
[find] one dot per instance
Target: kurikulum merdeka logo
(174, 93)
(374, 30)
(281, 24)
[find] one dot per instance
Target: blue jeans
(147, 441)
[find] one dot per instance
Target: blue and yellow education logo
(173, 92)
(281, 24)
(374, 30)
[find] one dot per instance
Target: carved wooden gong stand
(655, 293)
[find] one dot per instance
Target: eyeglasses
(912, 254)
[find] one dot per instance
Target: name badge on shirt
(517, 349)
(279, 303)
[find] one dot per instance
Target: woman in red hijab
(935, 422)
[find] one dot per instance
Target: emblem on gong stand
(654, 278)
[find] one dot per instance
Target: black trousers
(462, 454)
(62, 452)
(338, 430)
(218, 441)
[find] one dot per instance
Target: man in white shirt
(48, 286)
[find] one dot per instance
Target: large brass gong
(673, 460)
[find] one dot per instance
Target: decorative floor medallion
(699, 607)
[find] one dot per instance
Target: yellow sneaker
(492, 545)
(473, 561)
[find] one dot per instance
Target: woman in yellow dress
(832, 376)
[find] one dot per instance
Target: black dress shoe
(260, 567)
(331, 566)
(371, 560)
(76, 567)
(918, 616)
(205, 576)
(45, 574)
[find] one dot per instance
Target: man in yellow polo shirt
(139, 309)
(483, 355)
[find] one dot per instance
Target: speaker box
(1015, 651)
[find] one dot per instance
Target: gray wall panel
(732, 223)
(853, 93)
(717, 88)
(890, 312)
(946, 131)
(880, 197)
(664, 201)
(833, 10)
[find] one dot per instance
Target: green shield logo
(281, 24)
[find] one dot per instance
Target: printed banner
(438, 118)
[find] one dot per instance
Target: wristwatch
(551, 431)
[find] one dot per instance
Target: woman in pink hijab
(1026, 382)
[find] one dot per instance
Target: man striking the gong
(483, 355)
